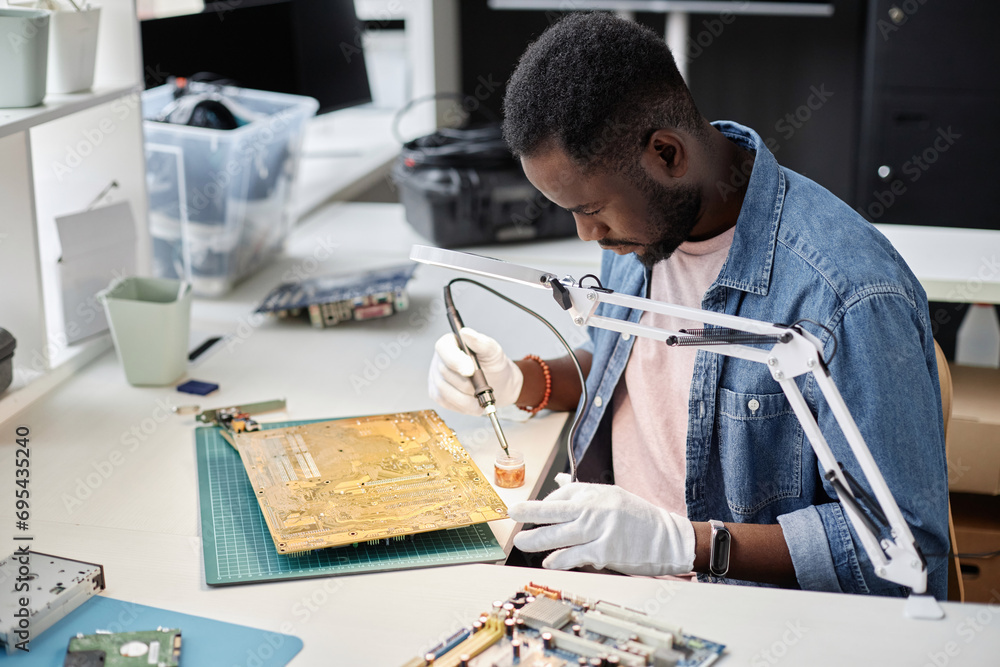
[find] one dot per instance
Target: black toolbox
(7, 344)
(463, 187)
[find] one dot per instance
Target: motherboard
(331, 300)
(545, 627)
(364, 479)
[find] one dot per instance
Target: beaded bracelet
(548, 385)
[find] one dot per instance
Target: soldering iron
(484, 392)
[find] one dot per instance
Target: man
(606, 128)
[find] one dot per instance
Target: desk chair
(956, 590)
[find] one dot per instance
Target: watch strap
(718, 559)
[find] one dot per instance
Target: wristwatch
(718, 559)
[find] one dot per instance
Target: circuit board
(160, 647)
(330, 300)
(348, 481)
(545, 627)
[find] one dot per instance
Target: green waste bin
(150, 320)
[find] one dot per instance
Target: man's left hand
(607, 527)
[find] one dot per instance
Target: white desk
(136, 512)
(344, 153)
(957, 265)
(383, 620)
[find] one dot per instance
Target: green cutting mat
(238, 546)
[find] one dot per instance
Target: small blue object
(204, 641)
(197, 387)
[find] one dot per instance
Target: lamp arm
(794, 352)
(896, 558)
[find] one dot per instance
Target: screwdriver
(484, 392)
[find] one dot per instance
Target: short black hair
(599, 86)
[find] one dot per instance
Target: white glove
(607, 527)
(449, 383)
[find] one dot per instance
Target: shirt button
(598, 402)
(626, 336)
(753, 404)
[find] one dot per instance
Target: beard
(671, 215)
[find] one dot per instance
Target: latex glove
(449, 383)
(607, 527)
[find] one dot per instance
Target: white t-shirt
(650, 404)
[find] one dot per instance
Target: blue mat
(203, 641)
(238, 547)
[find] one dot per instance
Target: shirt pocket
(760, 446)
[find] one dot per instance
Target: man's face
(622, 212)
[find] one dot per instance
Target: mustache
(619, 243)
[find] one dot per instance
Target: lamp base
(923, 607)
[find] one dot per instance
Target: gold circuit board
(346, 481)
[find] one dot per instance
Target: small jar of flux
(508, 469)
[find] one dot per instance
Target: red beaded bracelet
(548, 385)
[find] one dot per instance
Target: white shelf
(13, 121)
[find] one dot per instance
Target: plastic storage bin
(220, 200)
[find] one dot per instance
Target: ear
(666, 154)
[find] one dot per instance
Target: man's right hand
(449, 383)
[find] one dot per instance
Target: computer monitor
(304, 47)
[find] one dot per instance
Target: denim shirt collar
(748, 266)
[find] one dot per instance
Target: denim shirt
(799, 252)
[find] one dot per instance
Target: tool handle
(479, 382)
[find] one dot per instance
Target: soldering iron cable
(569, 349)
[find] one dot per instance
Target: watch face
(719, 558)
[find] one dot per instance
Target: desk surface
(383, 620)
(344, 153)
(956, 265)
(114, 482)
